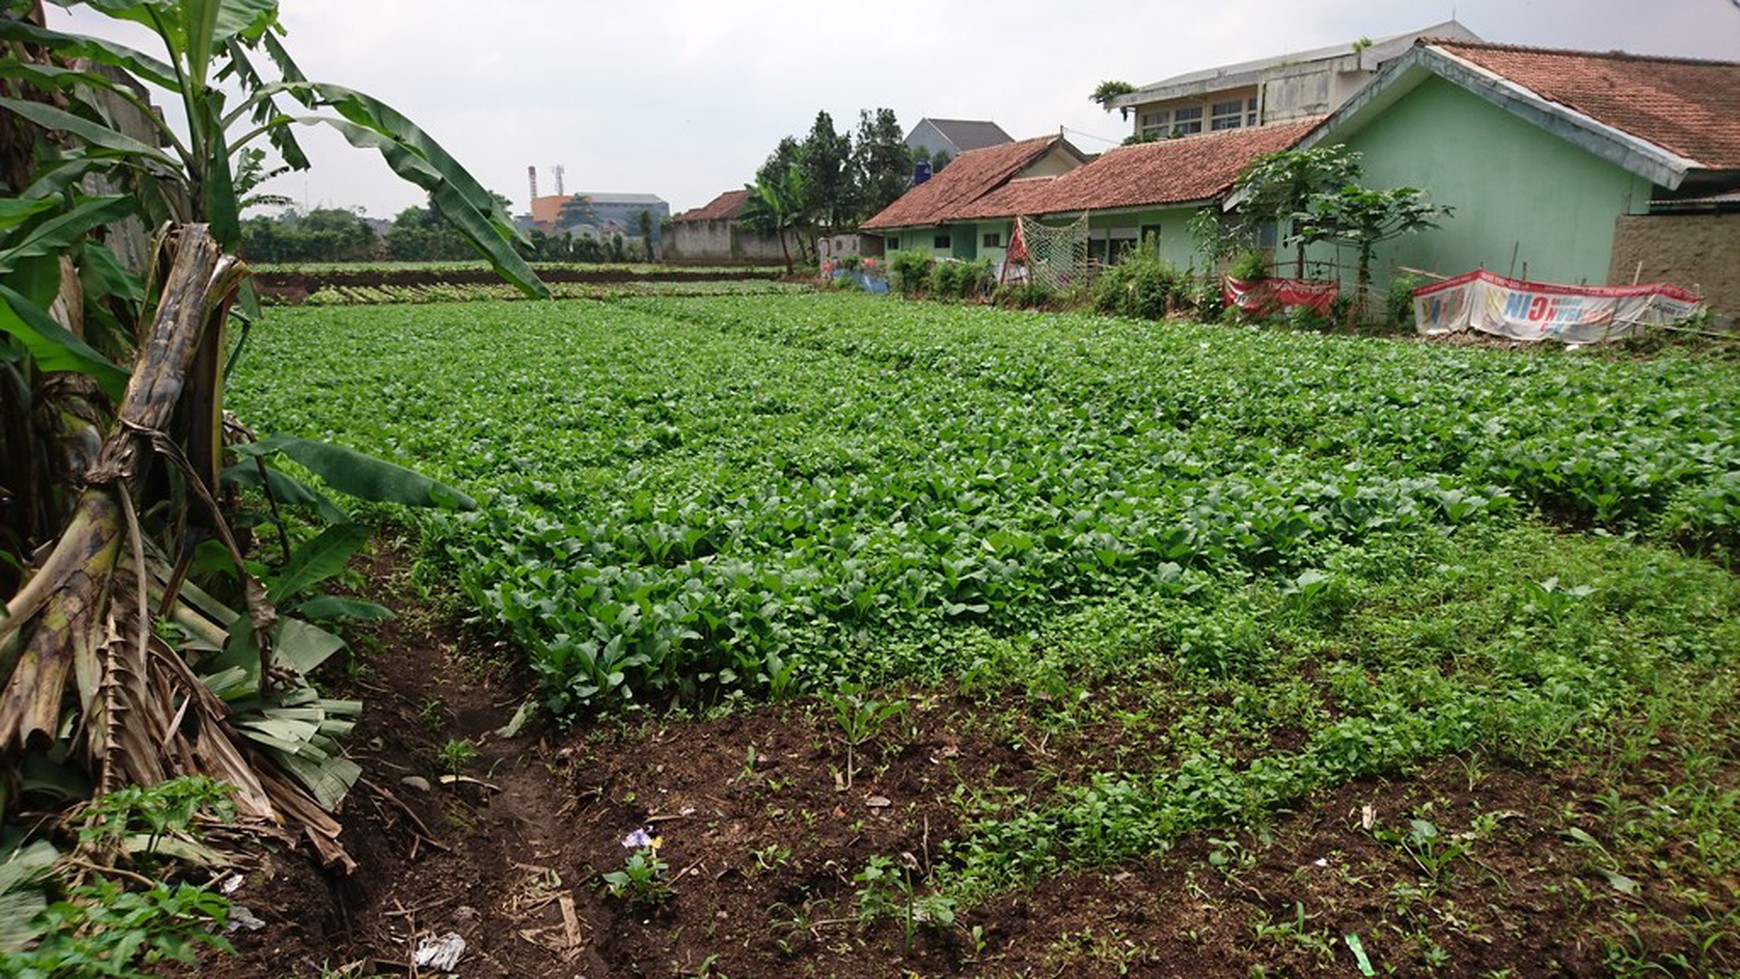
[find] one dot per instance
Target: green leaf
(327, 608)
(14, 211)
(134, 62)
(473, 211)
(61, 232)
(93, 133)
(362, 476)
(52, 346)
(303, 647)
(317, 560)
(286, 488)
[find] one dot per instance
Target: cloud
(684, 98)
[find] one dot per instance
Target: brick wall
(1698, 251)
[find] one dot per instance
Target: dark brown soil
(763, 851)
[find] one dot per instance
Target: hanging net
(1054, 255)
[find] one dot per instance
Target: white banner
(1540, 310)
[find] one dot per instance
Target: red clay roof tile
(721, 208)
(1691, 108)
(967, 178)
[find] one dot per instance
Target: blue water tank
(920, 172)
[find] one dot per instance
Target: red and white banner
(1541, 310)
(1265, 297)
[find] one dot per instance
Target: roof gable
(1658, 118)
(971, 134)
(1691, 108)
(971, 176)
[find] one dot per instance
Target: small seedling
(456, 753)
(861, 719)
(644, 880)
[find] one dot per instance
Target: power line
(1119, 142)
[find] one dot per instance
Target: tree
(577, 210)
(1109, 92)
(776, 206)
(825, 159)
(1277, 186)
(97, 550)
(1362, 218)
(881, 160)
(644, 222)
(940, 160)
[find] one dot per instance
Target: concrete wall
(724, 243)
(1697, 251)
(1516, 188)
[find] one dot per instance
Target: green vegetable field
(766, 494)
(1233, 566)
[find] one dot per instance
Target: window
(1227, 115)
(1150, 236)
(942, 241)
(1154, 123)
(1251, 111)
(1187, 121)
(993, 239)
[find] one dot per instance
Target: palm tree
(777, 207)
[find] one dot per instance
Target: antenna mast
(532, 176)
(560, 172)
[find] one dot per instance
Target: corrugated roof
(1690, 108)
(722, 208)
(971, 176)
(971, 134)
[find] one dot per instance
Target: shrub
(1142, 286)
(1030, 294)
(1401, 299)
(910, 271)
(1249, 266)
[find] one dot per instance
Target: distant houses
(712, 234)
(941, 140)
(1568, 166)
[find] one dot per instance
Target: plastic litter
(439, 953)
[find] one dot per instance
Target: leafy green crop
(764, 494)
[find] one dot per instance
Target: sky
(685, 98)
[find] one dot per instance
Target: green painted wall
(1176, 245)
(1513, 186)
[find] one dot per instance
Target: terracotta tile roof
(969, 177)
(1691, 108)
(1023, 195)
(721, 208)
(1170, 171)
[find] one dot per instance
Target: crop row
(765, 494)
(455, 292)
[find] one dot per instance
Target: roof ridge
(1614, 55)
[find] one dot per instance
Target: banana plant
(143, 638)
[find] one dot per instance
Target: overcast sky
(684, 98)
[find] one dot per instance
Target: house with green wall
(1561, 166)
(1144, 192)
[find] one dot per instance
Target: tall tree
(825, 159)
(881, 160)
